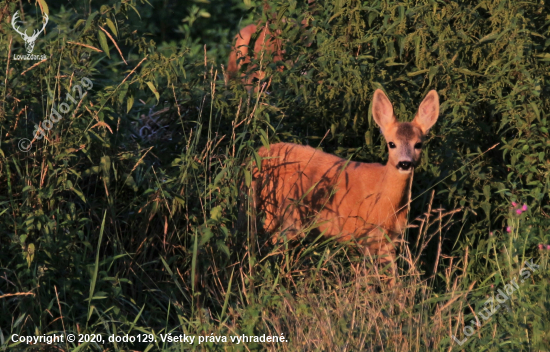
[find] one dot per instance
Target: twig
(30, 68)
(102, 124)
(87, 46)
(93, 115)
(453, 299)
(78, 106)
(125, 78)
(7, 70)
(17, 294)
(61, 314)
(116, 46)
(136, 165)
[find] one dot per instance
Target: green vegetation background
(123, 220)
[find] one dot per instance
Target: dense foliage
(122, 219)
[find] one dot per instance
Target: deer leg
(290, 225)
(387, 256)
(377, 244)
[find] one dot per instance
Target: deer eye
(391, 145)
(418, 146)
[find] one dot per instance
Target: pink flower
(491, 233)
(508, 229)
(541, 246)
(548, 247)
(524, 207)
(514, 204)
(518, 211)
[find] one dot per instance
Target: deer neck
(395, 185)
(394, 196)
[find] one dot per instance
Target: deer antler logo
(29, 41)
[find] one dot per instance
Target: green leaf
(105, 164)
(227, 292)
(543, 57)
(247, 178)
(79, 194)
(135, 10)
(432, 73)
(264, 139)
(219, 176)
(194, 262)
(487, 192)
(489, 37)
(535, 109)
(368, 138)
(468, 72)
(44, 7)
(123, 92)
(103, 42)
(206, 236)
(30, 254)
(215, 213)
(223, 247)
(175, 280)
(257, 159)
(130, 182)
(89, 21)
(153, 89)
(111, 26)
(96, 266)
(90, 171)
(412, 74)
(129, 103)
(372, 17)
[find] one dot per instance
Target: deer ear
(428, 112)
(382, 110)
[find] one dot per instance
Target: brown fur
(299, 185)
(266, 44)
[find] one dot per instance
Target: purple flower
(508, 229)
(514, 204)
(518, 211)
(524, 207)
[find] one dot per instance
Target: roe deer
(266, 43)
(298, 185)
(263, 43)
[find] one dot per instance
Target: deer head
(404, 138)
(29, 41)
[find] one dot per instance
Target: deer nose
(404, 165)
